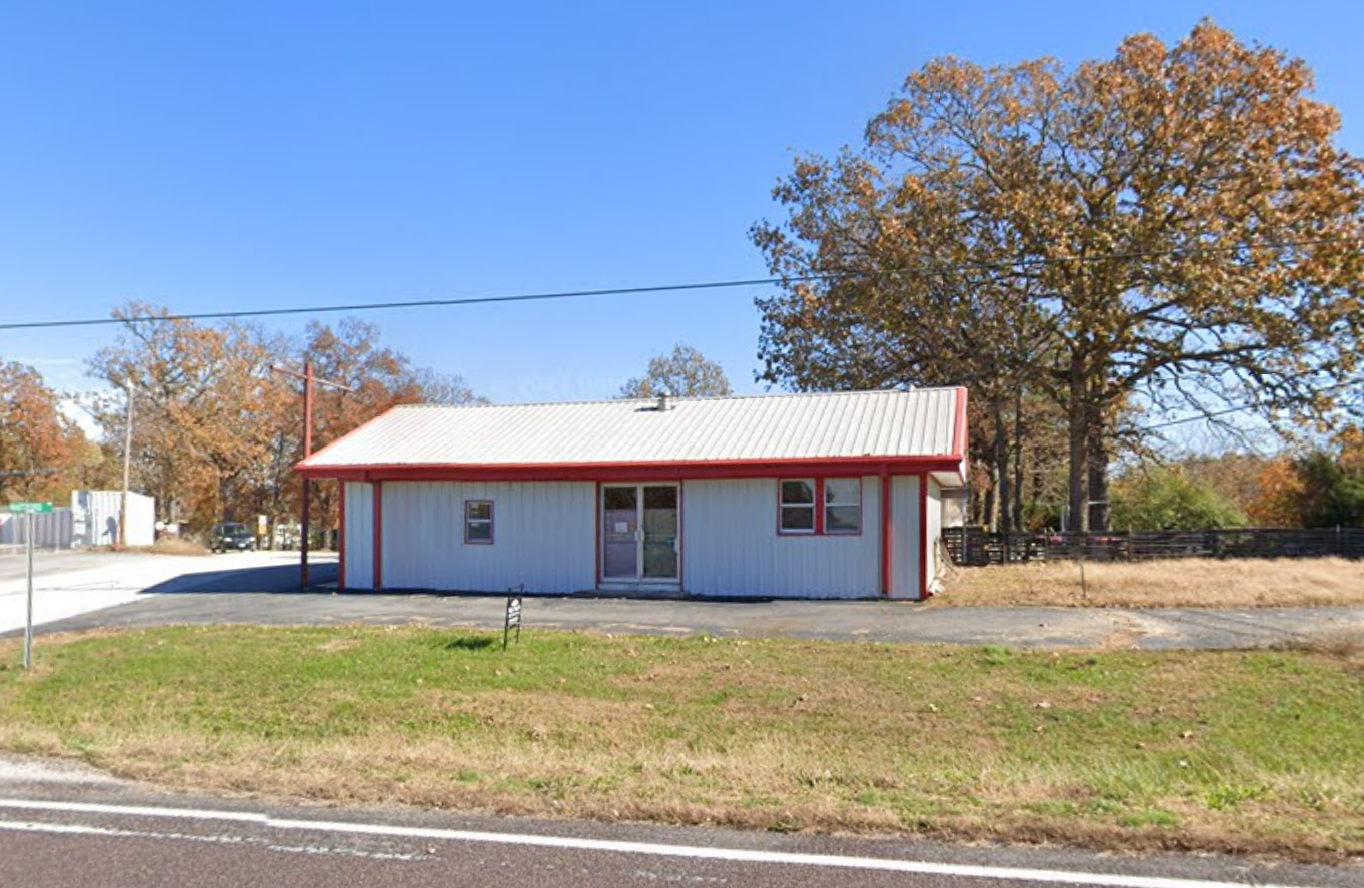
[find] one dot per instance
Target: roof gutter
(638, 471)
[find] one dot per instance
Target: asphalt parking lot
(264, 590)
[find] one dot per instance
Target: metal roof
(790, 427)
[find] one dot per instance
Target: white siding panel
(359, 531)
(95, 516)
(904, 521)
(544, 535)
(730, 545)
(933, 515)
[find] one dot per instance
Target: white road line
(83, 830)
(738, 855)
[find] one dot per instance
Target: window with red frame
(478, 522)
(820, 506)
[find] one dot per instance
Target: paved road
(72, 583)
(74, 827)
(262, 588)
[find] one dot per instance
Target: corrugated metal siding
(51, 530)
(730, 545)
(773, 427)
(359, 536)
(544, 535)
(904, 519)
(96, 512)
(933, 515)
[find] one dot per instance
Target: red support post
(341, 536)
(887, 535)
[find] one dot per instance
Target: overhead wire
(653, 289)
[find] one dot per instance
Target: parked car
(231, 538)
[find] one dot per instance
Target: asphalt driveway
(268, 595)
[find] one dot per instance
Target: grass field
(1193, 582)
(1249, 751)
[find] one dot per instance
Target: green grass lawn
(1257, 751)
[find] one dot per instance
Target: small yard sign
(513, 620)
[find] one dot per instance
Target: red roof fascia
(640, 471)
(959, 433)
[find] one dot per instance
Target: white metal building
(96, 516)
(803, 496)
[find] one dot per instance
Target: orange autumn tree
(204, 402)
(41, 450)
(1279, 495)
(1175, 227)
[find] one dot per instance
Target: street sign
(29, 508)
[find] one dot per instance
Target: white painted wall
(906, 541)
(544, 535)
(359, 535)
(933, 513)
(730, 545)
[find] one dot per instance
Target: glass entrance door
(639, 532)
(620, 533)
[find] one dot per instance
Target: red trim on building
(960, 432)
(678, 542)
(639, 473)
(924, 594)
(377, 556)
(341, 537)
(886, 536)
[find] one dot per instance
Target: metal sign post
(29, 510)
(513, 620)
(28, 618)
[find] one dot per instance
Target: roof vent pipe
(662, 400)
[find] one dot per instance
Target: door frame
(638, 583)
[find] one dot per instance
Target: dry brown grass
(172, 546)
(1227, 751)
(1190, 582)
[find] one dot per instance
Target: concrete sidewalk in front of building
(871, 621)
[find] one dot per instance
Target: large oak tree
(205, 405)
(1172, 228)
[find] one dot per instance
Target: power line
(1240, 408)
(661, 288)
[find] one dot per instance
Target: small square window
(478, 522)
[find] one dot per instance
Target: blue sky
(209, 156)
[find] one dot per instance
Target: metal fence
(51, 530)
(978, 547)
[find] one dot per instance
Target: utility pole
(122, 541)
(305, 509)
